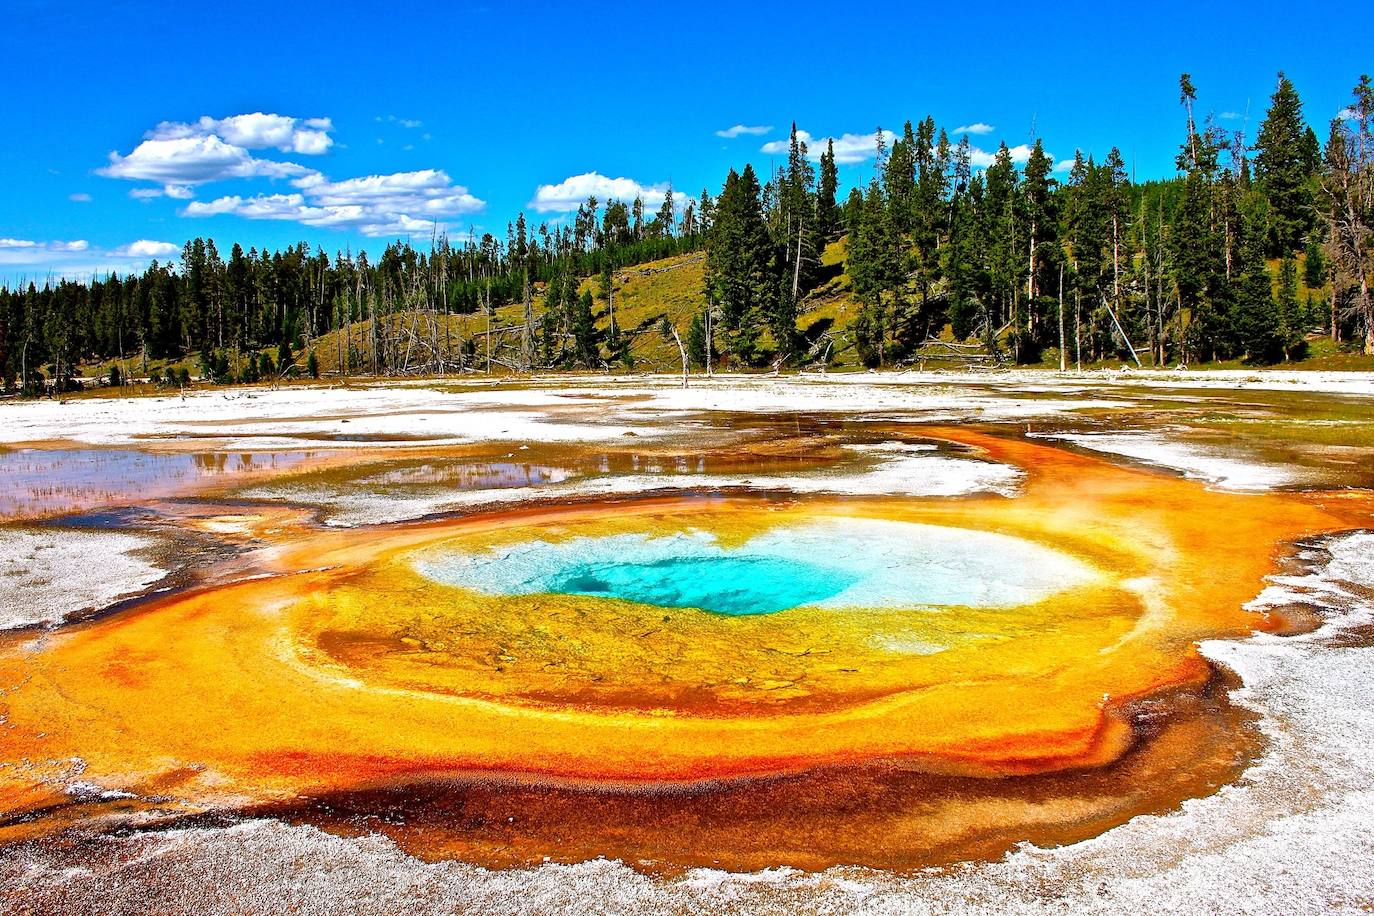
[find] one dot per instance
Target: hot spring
(826, 563)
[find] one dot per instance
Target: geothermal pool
(886, 644)
(833, 563)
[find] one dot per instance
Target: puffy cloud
(981, 158)
(147, 248)
(183, 161)
(849, 148)
(375, 205)
(80, 197)
(1063, 165)
(17, 243)
(738, 130)
(180, 156)
(571, 192)
(977, 127)
(255, 131)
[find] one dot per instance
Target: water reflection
(54, 481)
(481, 475)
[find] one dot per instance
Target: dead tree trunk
(1120, 330)
(1063, 357)
(682, 350)
(527, 331)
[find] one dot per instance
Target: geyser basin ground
(504, 727)
(830, 563)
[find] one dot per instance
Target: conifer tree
(1003, 263)
(1037, 216)
(1292, 316)
(899, 181)
(1259, 328)
(1283, 168)
(741, 267)
(827, 211)
(960, 255)
(1314, 263)
(584, 331)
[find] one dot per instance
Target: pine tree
(1284, 167)
(1003, 261)
(696, 341)
(929, 208)
(899, 181)
(1257, 321)
(800, 241)
(827, 211)
(1292, 315)
(741, 267)
(667, 215)
(960, 261)
(1314, 263)
(1037, 215)
(584, 331)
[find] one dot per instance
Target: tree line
(1009, 261)
(390, 315)
(1201, 267)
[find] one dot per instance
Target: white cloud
(255, 131)
(186, 161)
(571, 192)
(1229, 116)
(181, 156)
(76, 258)
(375, 205)
(981, 158)
(147, 248)
(1063, 165)
(731, 133)
(174, 191)
(849, 148)
(20, 247)
(80, 197)
(977, 127)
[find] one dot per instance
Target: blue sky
(124, 130)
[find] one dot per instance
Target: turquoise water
(828, 563)
(729, 584)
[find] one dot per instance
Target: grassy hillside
(672, 288)
(646, 294)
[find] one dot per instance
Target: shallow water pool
(837, 563)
